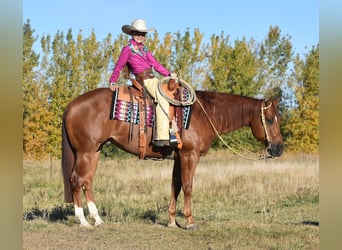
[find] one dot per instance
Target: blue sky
(238, 19)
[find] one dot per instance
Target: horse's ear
(276, 101)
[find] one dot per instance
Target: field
(238, 204)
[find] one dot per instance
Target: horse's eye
(269, 121)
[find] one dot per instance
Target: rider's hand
(113, 86)
(173, 84)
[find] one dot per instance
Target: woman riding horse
(141, 62)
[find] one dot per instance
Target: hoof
(98, 223)
(174, 225)
(192, 227)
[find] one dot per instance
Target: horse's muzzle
(275, 150)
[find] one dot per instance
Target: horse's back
(90, 97)
(89, 103)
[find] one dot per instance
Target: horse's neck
(243, 114)
(232, 112)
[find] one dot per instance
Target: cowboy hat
(137, 25)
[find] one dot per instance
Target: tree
(95, 62)
(276, 53)
(302, 128)
(36, 114)
(218, 57)
(233, 69)
(161, 50)
(187, 56)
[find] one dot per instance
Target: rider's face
(139, 37)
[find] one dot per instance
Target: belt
(145, 74)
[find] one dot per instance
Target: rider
(140, 62)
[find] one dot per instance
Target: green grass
(238, 204)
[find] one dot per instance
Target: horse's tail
(68, 159)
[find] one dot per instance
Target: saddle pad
(185, 96)
(123, 110)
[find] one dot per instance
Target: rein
(267, 135)
(254, 156)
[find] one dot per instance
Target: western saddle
(140, 95)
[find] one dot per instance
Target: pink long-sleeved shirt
(137, 60)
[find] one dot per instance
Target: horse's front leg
(188, 166)
(175, 190)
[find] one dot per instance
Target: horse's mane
(212, 98)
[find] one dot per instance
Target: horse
(86, 127)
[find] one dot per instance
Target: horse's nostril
(276, 149)
(281, 149)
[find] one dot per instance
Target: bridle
(264, 124)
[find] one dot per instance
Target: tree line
(66, 66)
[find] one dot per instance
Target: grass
(238, 204)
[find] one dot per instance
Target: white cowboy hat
(137, 25)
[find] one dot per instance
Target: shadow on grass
(310, 223)
(57, 213)
(63, 213)
(152, 215)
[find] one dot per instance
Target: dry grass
(238, 204)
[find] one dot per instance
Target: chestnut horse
(86, 128)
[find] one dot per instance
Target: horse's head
(266, 127)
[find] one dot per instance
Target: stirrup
(173, 140)
(160, 143)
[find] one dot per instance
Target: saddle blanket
(122, 109)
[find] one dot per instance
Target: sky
(236, 19)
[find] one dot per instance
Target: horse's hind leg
(82, 178)
(76, 186)
(88, 191)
